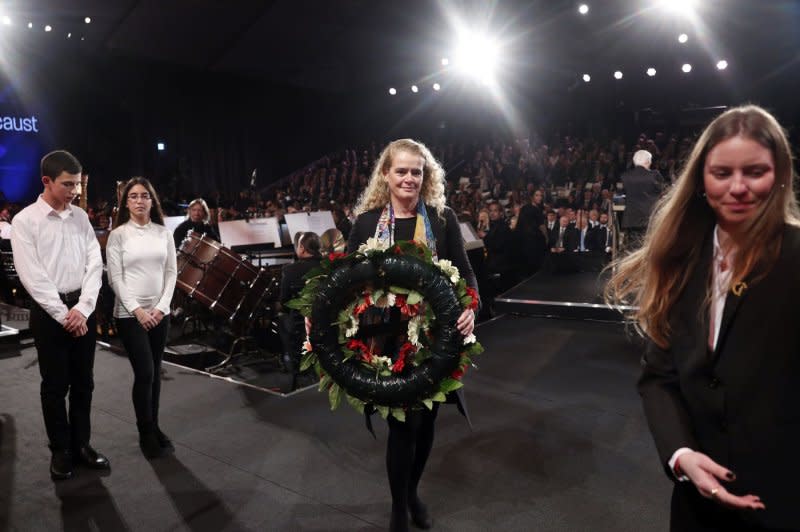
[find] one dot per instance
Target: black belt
(70, 297)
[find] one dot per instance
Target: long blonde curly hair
(377, 192)
(653, 277)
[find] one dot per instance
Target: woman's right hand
(145, 319)
(706, 475)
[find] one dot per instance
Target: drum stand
(243, 344)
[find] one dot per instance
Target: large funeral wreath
(423, 364)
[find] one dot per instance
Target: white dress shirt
(57, 252)
(720, 284)
(142, 267)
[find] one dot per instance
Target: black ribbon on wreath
(346, 283)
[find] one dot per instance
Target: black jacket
(642, 189)
(739, 404)
(449, 244)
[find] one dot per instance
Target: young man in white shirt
(58, 260)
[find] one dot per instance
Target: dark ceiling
(342, 45)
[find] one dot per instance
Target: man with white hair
(643, 187)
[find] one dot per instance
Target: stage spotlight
(679, 7)
(436, 86)
(30, 25)
(445, 61)
(477, 57)
(686, 68)
(414, 88)
(48, 28)
(583, 9)
(587, 78)
(617, 75)
(392, 91)
(88, 20)
(160, 146)
(651, 72)
(722, 64)
(6, 20)
(69, 35)
(683, 38)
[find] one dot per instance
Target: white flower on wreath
(372, 245)
(449, 270)
(379, 361)
(414, 326)
(470, 339)
(352, 327)
(386, 300)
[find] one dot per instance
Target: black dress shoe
(91, 458)
(61, 465)
(164, 441)
(419, 515)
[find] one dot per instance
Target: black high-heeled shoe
(419, 515)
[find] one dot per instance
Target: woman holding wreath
(405, 200)
(714, 283)
(142, 272)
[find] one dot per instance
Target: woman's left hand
(157, 315)
(466, 322)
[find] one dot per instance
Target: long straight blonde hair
(377, 192)
(653, 277)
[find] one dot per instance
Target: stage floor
(559, 444)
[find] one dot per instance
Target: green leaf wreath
(431, 356)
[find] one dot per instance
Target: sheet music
(253, 232)
(318, 222)
(172, 222)
(471, 240)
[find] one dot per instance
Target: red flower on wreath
(458, 373)
(336, 255)
(407, 349)
(471, 292)
(364, 305)
(401, 301)
(358, 345)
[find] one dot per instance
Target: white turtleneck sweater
(142, 267)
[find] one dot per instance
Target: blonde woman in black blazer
(716, 282)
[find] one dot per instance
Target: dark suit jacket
(740, 405)
(292, 281)
(642, 189)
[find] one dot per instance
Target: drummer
(198, 219)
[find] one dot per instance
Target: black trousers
(145, 351)
(407, 450)
(66, 365)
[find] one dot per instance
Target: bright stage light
(445, 61)
(48, 28)
(722, 64)
(392, 91)
(679, 7)
(617, 75)
(414, 88)
(88, 20)
(30, 25)
(6, 20)
(683, 38)
(686, 68)
(587, 78)
(651, 72)
(583, 9)
(160, 146)
(477, 56)
(436, 86)
(69, 35)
